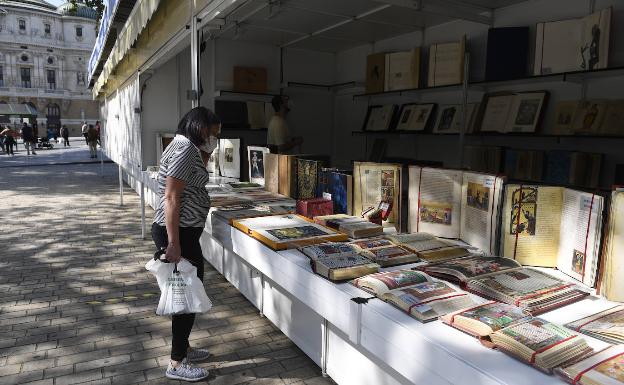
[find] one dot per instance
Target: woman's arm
(173, 197)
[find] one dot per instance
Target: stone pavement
(78, 152)
(77, 306)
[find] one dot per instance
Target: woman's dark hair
(193, 122)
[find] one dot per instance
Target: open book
(429, 247)
(381, 283)
(374, 183)
(462, 270)
(553, 227)
(541, 343)
(429, 300)
(354, 227)
(603, 368)
(390, 255)
(613, 266)
(530, 289)
(607, 325)
(482, 320)
(455, 204)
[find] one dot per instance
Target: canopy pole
(120, 186)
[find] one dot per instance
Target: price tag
(489, 182)
(327, 196)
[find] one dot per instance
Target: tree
(98, 5)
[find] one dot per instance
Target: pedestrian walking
(84, 130)
(65, 135)
(92, 140)
(9, 140)
(29, 139)
(179, 221)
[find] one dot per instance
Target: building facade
(44, 52)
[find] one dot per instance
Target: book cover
(340, 186)
(307, 177)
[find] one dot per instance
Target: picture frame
(255, 157)
(526, 111)
(449, 118)
(230, 158)
(414, 117)
(379, 117)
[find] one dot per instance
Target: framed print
(526, 111)
(564, 117)
(449, 119)
(255, 156)
(379, 118)
(414, 117)
(496, 109)
(230, 157)
(589, 117)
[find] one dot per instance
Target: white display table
(372, 343)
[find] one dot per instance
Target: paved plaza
(77, 305)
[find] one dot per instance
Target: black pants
(65, 141)
(182, 324)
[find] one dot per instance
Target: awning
(18, 110)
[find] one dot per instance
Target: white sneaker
(186, 372)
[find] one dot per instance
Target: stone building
(44, 52)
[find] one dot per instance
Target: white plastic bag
(181, 292)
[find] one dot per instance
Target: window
(51, 76)
(53, 110)
(1, 76)
(78, 31)
(21, 24)
(25, 75)
(47, 29)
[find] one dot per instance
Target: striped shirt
(182, 160)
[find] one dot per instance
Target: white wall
(350, 65)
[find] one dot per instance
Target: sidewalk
(77, 306)
(77, 152)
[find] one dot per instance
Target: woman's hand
(173, 253)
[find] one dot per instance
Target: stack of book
(338, 261)
(429, 247)
(354, 227)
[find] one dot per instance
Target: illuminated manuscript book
(603, 368)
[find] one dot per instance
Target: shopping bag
(181, 291)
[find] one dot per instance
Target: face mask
(210, 144)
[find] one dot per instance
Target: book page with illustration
(434, 196)
(531, 222)
(578, 245)
(480, 205)
(375, 183)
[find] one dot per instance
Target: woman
(179, 221)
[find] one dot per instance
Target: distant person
(92, 140)
(9, 140)
(28, 137)
(84, 130)
(65, 135)
(55, 134)
(99, 129)
(278, 136)
(35, 128)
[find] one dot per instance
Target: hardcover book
(462, 270)
(402, 70)
(271, 172)
(390, 255)
(541, 343)
(381, 283)
(607, 325)
(574, 44)
(314, 207)
(429, 300)
(553, 227)
(427, 247)
(613, 270)
(507, 53)
(287, 170)
(605, 367)
(307, 177)
(344, 267)
(375, 72)
(339, 185)
(455, 204)
(446, 63)
(354, 227)
(329, 249)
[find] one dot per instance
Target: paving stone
(87, 249)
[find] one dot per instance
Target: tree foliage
(98, 5)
